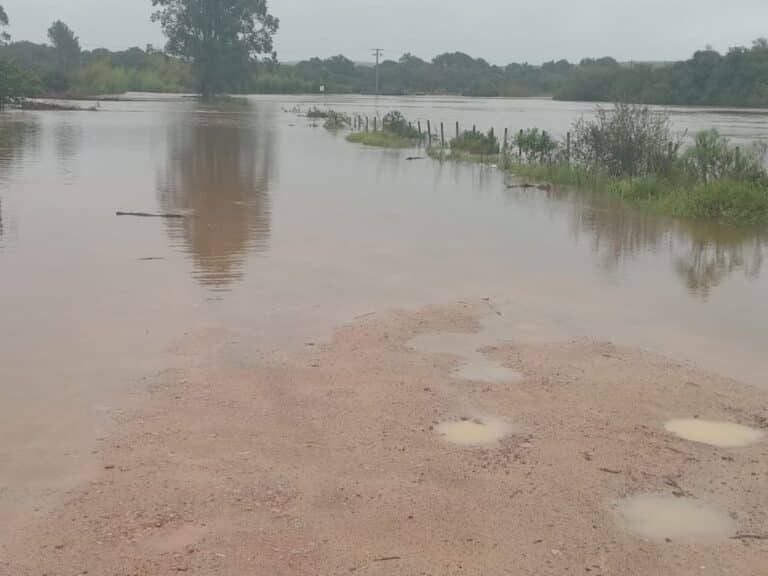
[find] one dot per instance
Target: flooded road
(290, 231)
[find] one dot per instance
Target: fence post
(375, 123)
(568, 147)
(366, 123)
(474, 129)
(429, 133)
(419, 125)
(457, 129)
(520, 144)
(442, 136)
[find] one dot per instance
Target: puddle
(474, 432)
(475, 365)
(658, 517)
(721, 434)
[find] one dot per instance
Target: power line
(377, 52)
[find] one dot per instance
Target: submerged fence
(439, 138)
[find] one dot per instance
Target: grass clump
(396, 132)
(382, 139)
(475, 143)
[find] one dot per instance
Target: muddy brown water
(289, 231)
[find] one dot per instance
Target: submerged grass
(725, 200)
(382, 139)
(438, 153)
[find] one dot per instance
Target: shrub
(536, 144)
(628, 140)
(396, 123)
(477, 143)
(711, 158)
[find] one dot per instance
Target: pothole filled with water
(658, 517)
(721, 434)
(474, 432)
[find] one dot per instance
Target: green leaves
(222, 38)
(16, 83)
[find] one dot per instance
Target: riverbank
(335, 460)
(726, 200)
(711, 180)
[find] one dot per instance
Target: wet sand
(332, 461)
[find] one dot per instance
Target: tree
(4, 36)
(66, 43)
(221, 38)
(16, 83)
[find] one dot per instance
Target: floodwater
(658, 517)
(290, 231)
(474, 364)
(720, 434)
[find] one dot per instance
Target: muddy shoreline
(334, 461)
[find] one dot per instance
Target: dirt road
(334, 461)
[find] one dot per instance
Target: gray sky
(500, 31)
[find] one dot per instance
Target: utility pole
(377, 52)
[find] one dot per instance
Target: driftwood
(148, 215)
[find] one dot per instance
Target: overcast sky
(500, 31)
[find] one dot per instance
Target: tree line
(226, 46)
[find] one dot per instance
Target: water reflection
(68, 138)
(19, 133)
(711, 259)
(217, 171)
(703, 254)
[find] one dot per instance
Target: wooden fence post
(457, 129)
(442, 136)
(568, 147)
(429, 133)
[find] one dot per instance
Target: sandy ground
(329, 462)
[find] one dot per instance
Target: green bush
(711, 158)
(536, 145)
(627, 140)
(396, 123)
